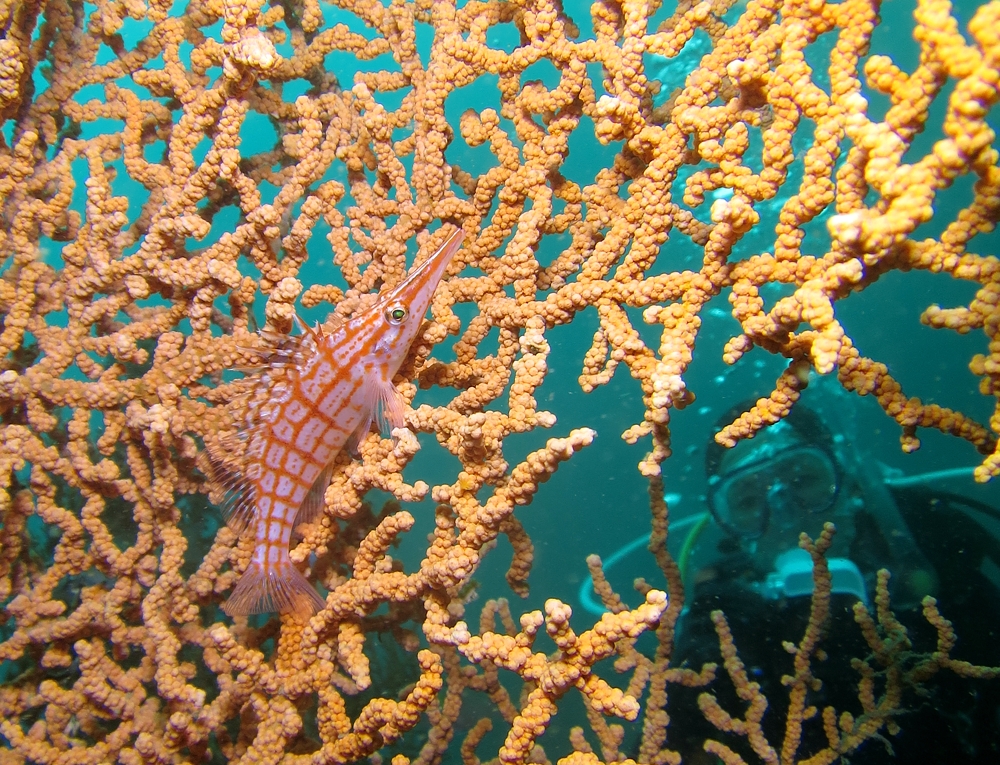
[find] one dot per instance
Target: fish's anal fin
(279, 588)
(353, 444)
(312, 505)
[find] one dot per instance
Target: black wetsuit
(952, 720)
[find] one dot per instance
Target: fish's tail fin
(277, 587)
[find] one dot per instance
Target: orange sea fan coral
(163, 166)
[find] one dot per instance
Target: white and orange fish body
(335, 383)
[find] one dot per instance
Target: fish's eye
(395, 314)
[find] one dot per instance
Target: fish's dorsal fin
(303, 327)
(238, 506)
(315, 332)
(333, 322)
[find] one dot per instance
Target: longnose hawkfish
(334, 381)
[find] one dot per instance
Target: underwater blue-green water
(597, 502)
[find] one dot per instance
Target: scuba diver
(792, 477)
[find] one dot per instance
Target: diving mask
(779, 487)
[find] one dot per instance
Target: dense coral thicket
(143, 217)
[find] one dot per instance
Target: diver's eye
(395, 314)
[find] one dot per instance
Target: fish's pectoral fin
(313, 504)
(384, 405)
(390, 410)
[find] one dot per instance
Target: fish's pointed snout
(417, 289)
(437, 263)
